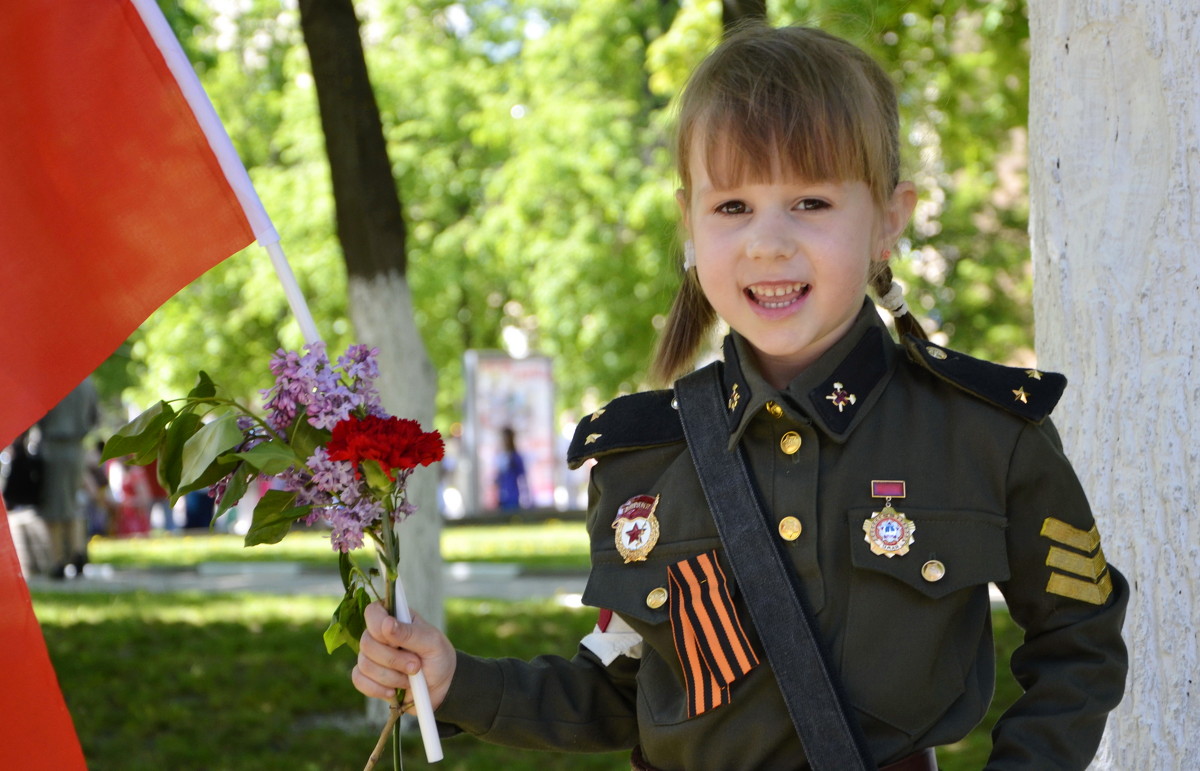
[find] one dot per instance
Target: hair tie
(893, 301)
(689, 255)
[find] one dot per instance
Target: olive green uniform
(992, 500)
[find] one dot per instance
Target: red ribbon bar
(887, 489)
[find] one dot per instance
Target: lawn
(554, 545)
(228, 682)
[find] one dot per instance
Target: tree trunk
(1114, 110)
(371, 229)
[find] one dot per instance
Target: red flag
(111, 200)
(35, 728)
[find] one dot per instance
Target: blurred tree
(530, 142)
(372, 234)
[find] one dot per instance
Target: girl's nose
(770, 240)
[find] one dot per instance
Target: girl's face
(785, 262)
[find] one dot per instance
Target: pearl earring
(689, 255)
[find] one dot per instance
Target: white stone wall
(1115, 225)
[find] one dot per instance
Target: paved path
(462, 579)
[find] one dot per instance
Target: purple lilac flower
(359, 363)
(332, 476)
(347, 523)
(297, 379)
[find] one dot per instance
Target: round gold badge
(889, 532)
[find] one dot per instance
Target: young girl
(898, 480)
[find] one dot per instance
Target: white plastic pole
(419, 688)
(291, 290)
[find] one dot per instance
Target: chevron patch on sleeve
(1078, 568)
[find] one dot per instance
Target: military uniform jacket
(990, 498)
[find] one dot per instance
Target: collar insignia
(840, 397)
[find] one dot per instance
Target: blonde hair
(791, 100)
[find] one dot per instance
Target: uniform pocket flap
(639, 589)
(948, 550)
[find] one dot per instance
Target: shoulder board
(630, 422)
(1029, 393)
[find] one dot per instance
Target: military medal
(888, 531)
(636, 527)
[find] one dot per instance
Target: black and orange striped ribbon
(709, 639)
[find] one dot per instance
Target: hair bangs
(739, 147)
(790, 103)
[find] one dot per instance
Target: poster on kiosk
(505, 394)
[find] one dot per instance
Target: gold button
(789, 528)
(933, 570)
(936, 353)
(775, 410)
(657, 598)
(790, 443)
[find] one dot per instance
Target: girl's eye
(731, 207)
(812, 204)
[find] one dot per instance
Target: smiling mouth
(778, 295)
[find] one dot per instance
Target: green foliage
(530, 145)
(961, 67)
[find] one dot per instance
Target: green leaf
(204, 389)
(216, 471)
(239, 483)
(271, 458)
(170, 450)
(212, 440)
(348, 622)
(305, 438)
(377, 478)
(140, 434)
(273, 517)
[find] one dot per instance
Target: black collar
(835, 393)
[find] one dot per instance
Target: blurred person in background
(63, 431)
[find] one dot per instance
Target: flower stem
(393, 717)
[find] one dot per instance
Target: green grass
(542, 547)
(230, 682)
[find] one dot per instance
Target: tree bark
(1114, 111)
(371, 228)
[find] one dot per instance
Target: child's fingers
(369, 683)
(419, 636)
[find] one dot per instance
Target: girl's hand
(390, 651)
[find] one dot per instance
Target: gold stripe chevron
(1078, 589)
(1072, 562)
(1060, 532)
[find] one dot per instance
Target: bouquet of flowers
(328, 451)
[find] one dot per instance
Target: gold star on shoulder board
(1033, 373)
(1021, 396)
(597, 413)
(591, 438)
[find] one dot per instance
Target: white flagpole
(268, 237)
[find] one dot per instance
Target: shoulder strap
(829, 732)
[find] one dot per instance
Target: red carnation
(394, 443)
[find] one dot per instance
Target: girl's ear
(681, 199)
(898, 210)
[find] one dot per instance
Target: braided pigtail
(688, 326)
(891, 298)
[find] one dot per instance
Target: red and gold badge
(888, 531)
(636, 527)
